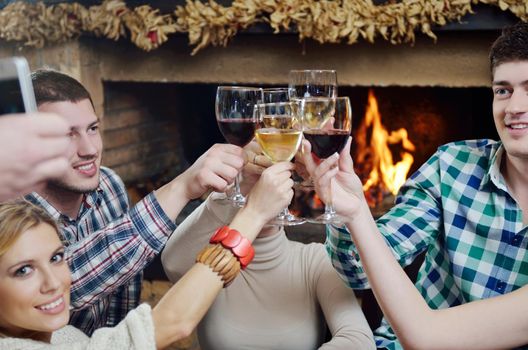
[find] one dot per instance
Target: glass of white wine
(279, 134)
(311, 84)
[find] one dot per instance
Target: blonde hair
(18, 216)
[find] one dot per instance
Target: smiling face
(85, 147)
(34, 284)
(510, 107)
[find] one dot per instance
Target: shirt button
(516, 240)
(500, 287)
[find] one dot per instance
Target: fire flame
(384, 173)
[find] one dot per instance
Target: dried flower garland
(326, 21)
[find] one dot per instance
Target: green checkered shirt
(456, 207)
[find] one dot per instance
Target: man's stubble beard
(57, 185)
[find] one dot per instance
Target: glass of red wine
(327, 137)
(234, 113)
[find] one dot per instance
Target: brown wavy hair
(510, 46)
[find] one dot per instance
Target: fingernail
(335, 155)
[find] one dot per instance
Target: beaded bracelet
(239, 245)
(221, 261)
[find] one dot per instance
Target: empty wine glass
(279, 134)
(312, 83)
(275, 94)
(234, 107)
(327, 137)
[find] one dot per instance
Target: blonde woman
(35, 279)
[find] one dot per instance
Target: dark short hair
(53, 86)
(510, 46)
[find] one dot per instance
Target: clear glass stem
(329, 210)
(238, 198)
(284, 213)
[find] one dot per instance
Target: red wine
(326, 142)
(237, 131)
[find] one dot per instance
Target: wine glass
(279, 134)
(327, 137)
(311, 83)
(234, 113)
(276, 94)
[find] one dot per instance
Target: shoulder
(68, 334)
(109, 178)
(456, 158)
(482, 148)
(111, 185)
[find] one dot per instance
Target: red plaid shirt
(107, 247)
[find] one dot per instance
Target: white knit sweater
(135, 332)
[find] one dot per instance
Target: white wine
(317, 111)
(279, 145)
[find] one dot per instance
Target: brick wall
(141, 142)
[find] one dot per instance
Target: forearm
(185, 304)
(172, 197)
(398, 298)
(193, 234)
(180, 310)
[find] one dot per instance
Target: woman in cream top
(280, 301)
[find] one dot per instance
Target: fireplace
(153, 131)
(157, 107)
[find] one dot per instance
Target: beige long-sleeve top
(135, 332)
(282, 299)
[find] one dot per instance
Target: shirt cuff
(345, 257)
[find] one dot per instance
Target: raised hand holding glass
(234, 108)
(279, 134)
(329, 137)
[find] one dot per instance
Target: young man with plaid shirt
(108, 244)
(464, 207)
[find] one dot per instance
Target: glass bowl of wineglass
(312, 83)
(276, 94)
(279, 134)
(234, 109)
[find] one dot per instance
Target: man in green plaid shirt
(464, 206)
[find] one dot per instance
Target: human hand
(215, 169)
(272, 193)
(335, 180)
(33, 149)
(256, 163)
